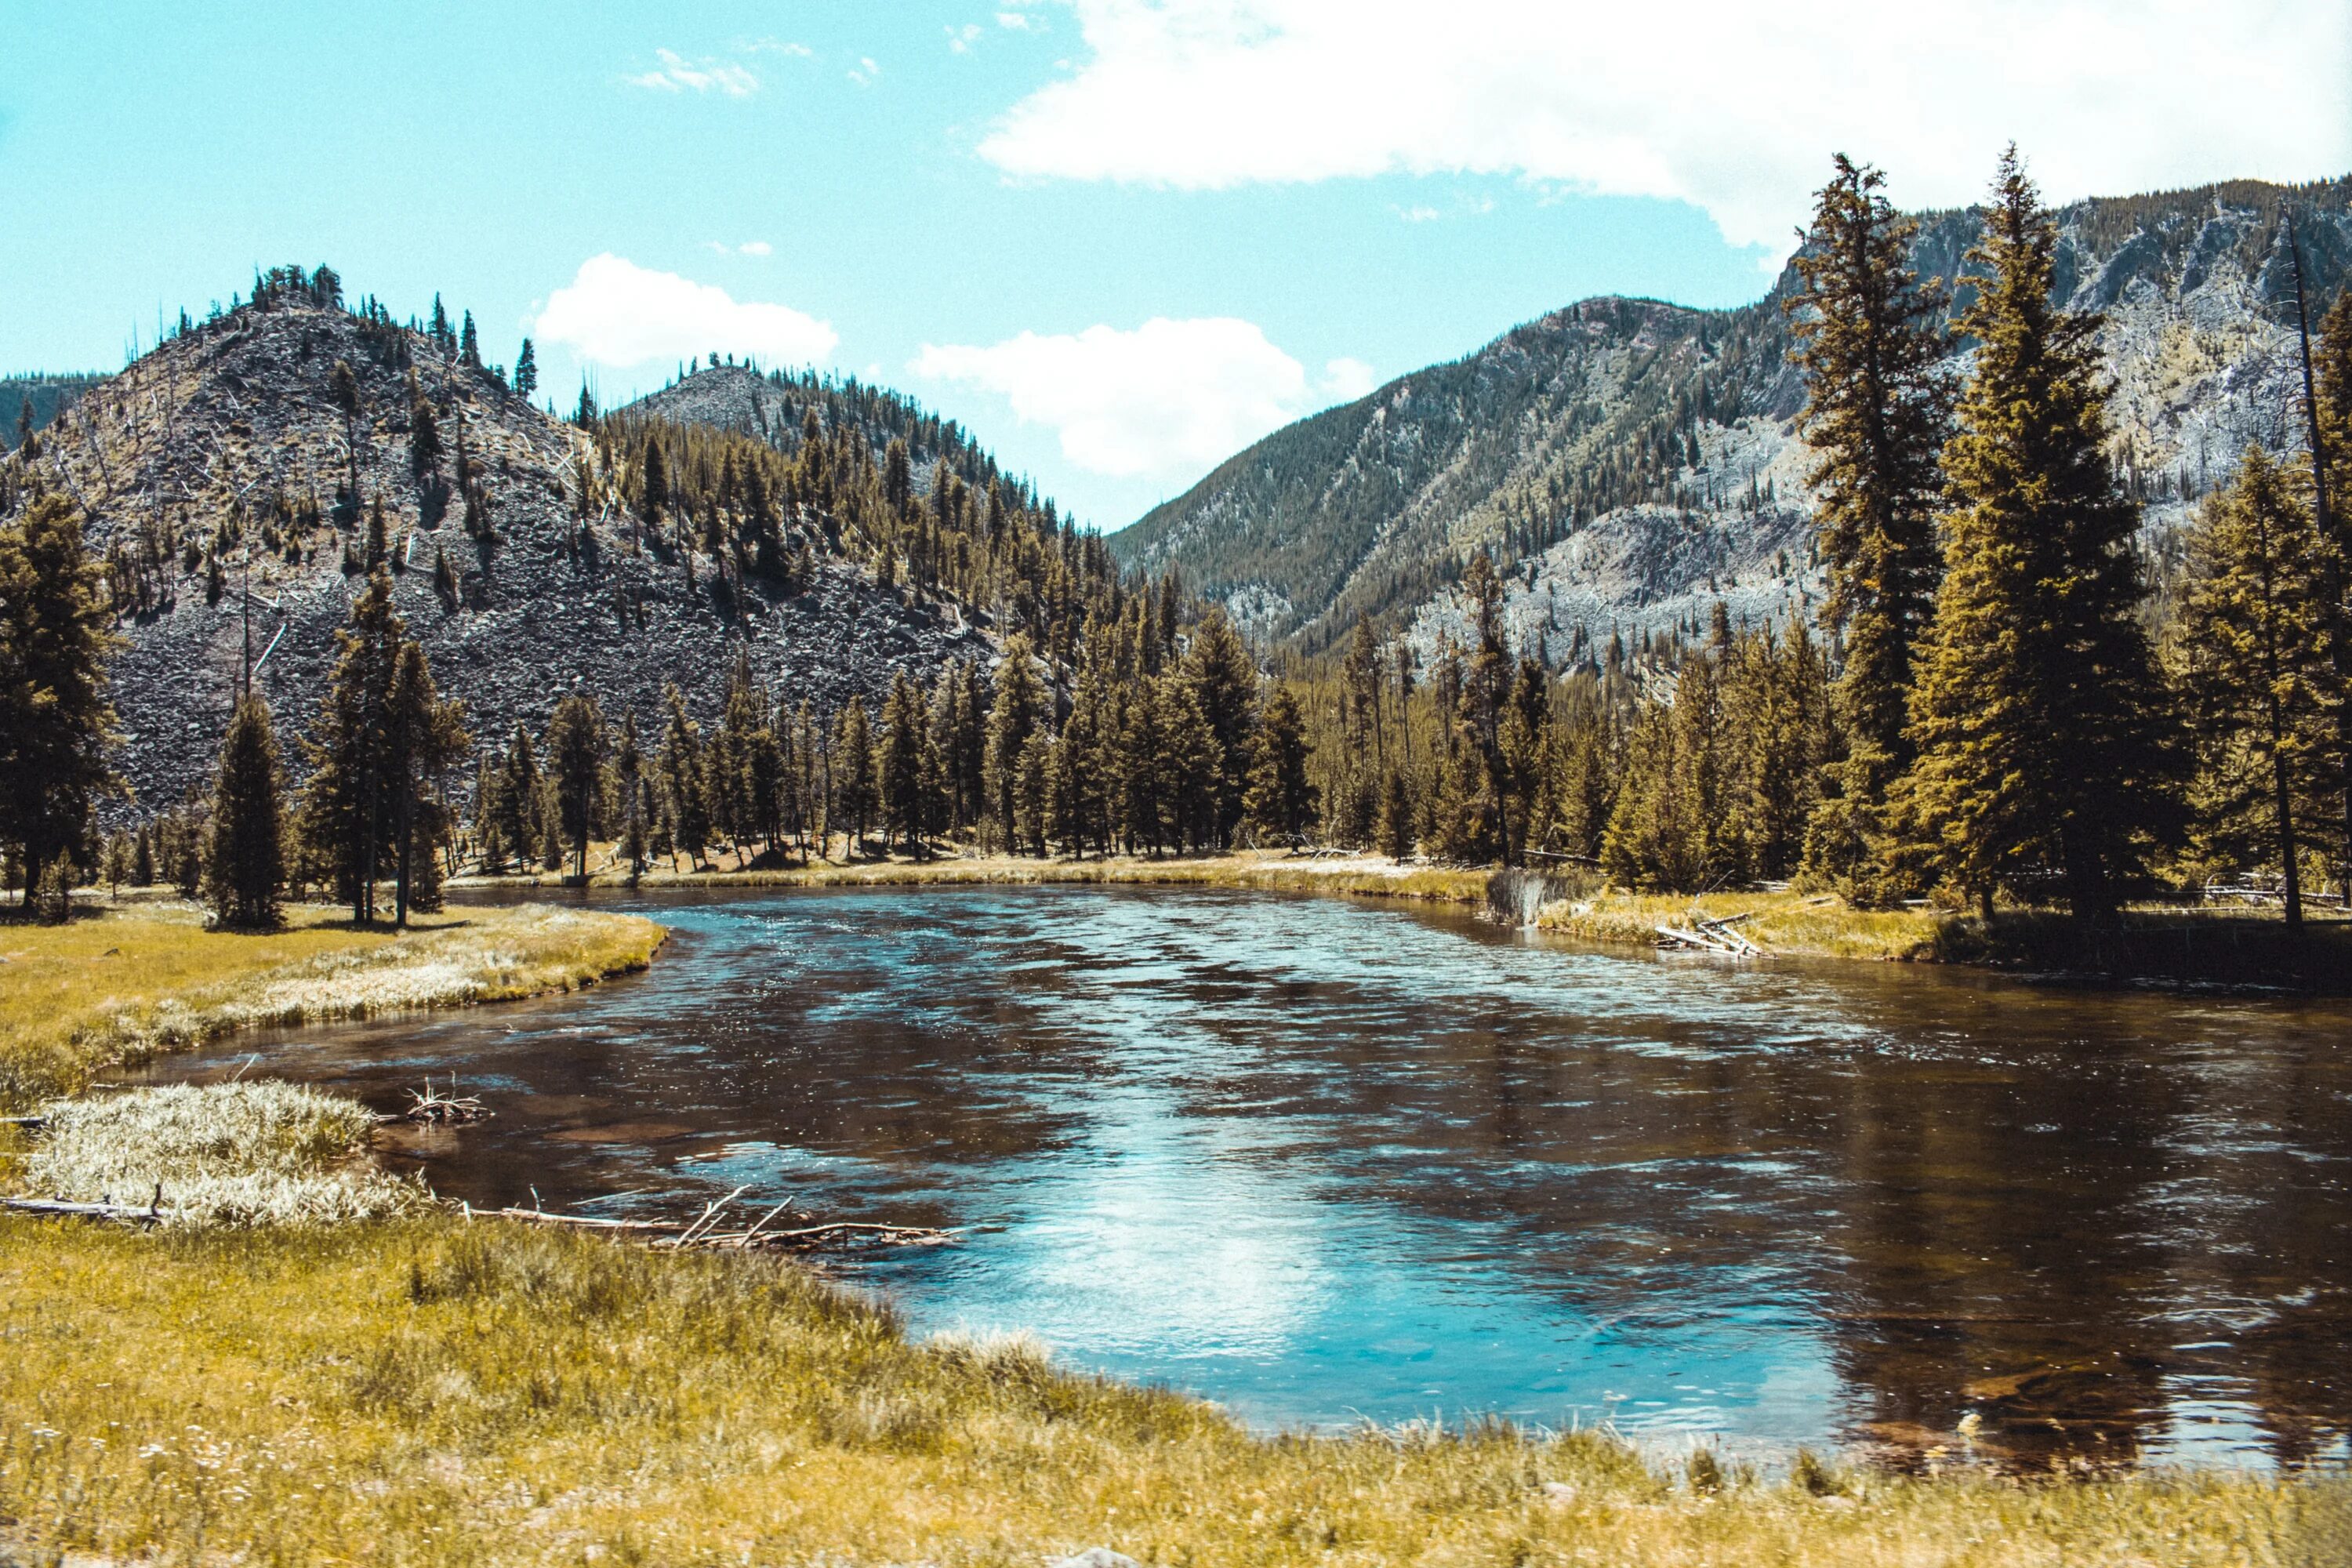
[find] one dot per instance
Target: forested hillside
(1630, 463)
(241, 481)
(28, 403)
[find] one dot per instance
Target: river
(1326, 1161)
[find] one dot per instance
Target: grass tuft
(229, 1153)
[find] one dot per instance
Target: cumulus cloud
(1168, 398)
(619, 314)
(678, 74)
(1734, 107)
(1345, 380)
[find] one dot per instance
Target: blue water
(1325, 1161)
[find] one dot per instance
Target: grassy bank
(1368, 876)
(123, 984)
(432, 1391)
(2209, 945)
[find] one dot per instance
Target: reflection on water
(1320, 1160)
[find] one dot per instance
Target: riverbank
(122, 984)
(2162, 944)
(1360, 876)
(2169, 944)
(443, 1392)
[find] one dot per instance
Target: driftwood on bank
(1710, 936)
(702, 1230)
(152, 1213)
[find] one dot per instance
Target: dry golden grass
(234, 1153)
(434, 1392)
(122, 984)
(1792, 923)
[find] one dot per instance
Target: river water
(1326, 1161)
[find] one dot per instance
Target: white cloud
(749, 248)
(863, 73)
(1016, 21)
(1169, 399)
(1345, 380)
(1418, 214)
(960, 39)
(678, 74)
(619, 314)
(777, 47)
(1733, 106)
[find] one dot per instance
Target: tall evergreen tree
(422, 736)
(909, 765)
(1020, 704)
(56, 723)
(1878, 414)
(526, 371)
(681, 778)
(1223, 678)
(2253, 652)
(246, 861)
(576, 745)
(855, 782)
(2039, 717)
(1280, 799)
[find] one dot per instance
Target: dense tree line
(1999, 708)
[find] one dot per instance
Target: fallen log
(153, 1214)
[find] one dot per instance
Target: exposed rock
(1676, 423)
(241, 409)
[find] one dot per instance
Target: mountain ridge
(1632, 449)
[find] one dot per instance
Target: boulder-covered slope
(1632, 461)
(226, 447)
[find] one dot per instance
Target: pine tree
(628, 790)
(1014, 716)
(469, 346)
(1280, 798)
(2038, 718)
(2253, 653)
(56, 723)
(245, 863)
(526, 371)
(1396, 817)
(422, 736)
(906, 749)
(681, 778)
(142, 858)
(576, 745)
(854, 771)
(1223, 678)
(1876, 415)
(653, 487)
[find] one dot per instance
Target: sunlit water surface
(1324, 1160)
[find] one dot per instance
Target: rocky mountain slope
(1632, 462)
(226, 447)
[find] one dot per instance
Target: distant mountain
(238, 417)
(48, 395)
(771, 406)
(1632, 461)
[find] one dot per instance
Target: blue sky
(1117, 238)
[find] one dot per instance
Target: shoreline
(2171, 945)
(136, 980)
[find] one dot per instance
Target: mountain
(771, 407)
(1632, 462)
(46, 396)
(225, 446)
